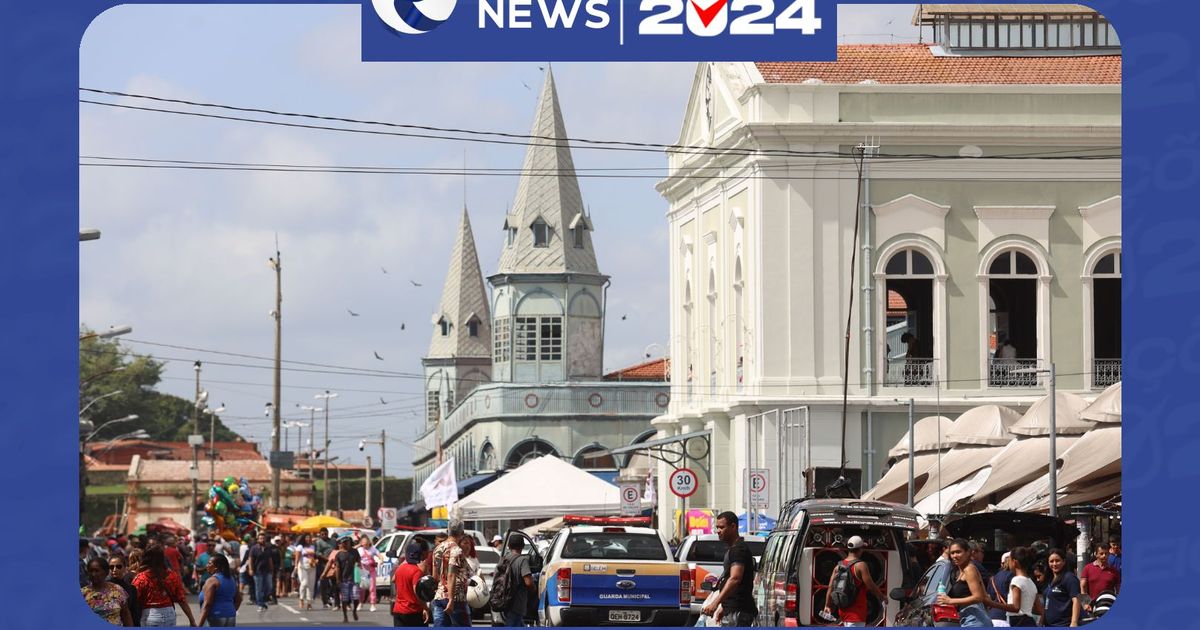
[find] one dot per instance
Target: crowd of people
(1034, 586)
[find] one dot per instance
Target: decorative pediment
(908, 215)
(1101, 220)
(1029, 221)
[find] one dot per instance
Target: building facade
(520, 375)
(983, 235)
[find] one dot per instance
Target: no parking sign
(631, 499)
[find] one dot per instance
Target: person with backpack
(512, 584)
(848, 587)
(735, 589)
(408, 608)
(965, 589)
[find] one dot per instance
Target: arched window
(1014, 319)
(487, 457)
(594, 457)
(444, 325)
(641, 459)
(527, 451)
(908, 340)
(473, 327)
(1105, 296)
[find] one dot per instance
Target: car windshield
(488, 556)
(713, 551)
(614, 546)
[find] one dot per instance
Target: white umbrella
(893, 486)
(1106, 408)
(1022, 461)
(1036, 421)
(943, 503)
(929, 434)
(957, 464)
(1096, 455)
(987, 425)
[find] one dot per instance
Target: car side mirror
(707, 586)
(899, 595)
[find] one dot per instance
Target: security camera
(361, 445)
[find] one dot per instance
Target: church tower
(548, 291)
(459, 355)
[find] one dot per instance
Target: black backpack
(503, 589)
(844, 589)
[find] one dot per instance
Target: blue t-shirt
(1003, 580)
(1059, 598)
(1114, 561)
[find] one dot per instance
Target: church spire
(547, 230)
(463, 309)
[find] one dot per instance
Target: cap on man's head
(1006, 556)
(497, 538)
(855, 542)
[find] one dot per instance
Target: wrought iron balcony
(1016, 373)
(908, 372)
(1105, 372)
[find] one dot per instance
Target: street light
(1053, 436)
(88, 234)
(382, 442)
(132, 416)
(113, 331)
(98, 399)
(327, 397)
(212, 442)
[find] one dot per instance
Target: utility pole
(195, 472)
(277, 265)
(382, 465)
(367, 487)
(327, 397)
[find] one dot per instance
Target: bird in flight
(401, 325)
(352, 313)
(378, 357)
(527, 86)
(415, 283)
(624, 317)
(383, 270)
(382, 401)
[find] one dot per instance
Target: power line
(306, 387)
(261, 358)
(508, 138)
(268, 367)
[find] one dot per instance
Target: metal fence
(1105, 372)
(908, 372)
(1016, 372)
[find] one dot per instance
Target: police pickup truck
(600, 575)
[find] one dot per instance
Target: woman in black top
(966, 592)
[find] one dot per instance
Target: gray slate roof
(463, 295)
(555, 199)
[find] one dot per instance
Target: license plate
(624, 615)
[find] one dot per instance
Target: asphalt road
(288, 613)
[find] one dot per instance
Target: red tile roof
(915, 64)
(653, 370)
(896, 302)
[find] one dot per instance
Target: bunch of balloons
(232, 508)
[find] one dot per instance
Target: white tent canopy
(958, 464)
(953, 493)
(541, 488)
(1106, 408)
(1096, 455)
(893, 486)
(1022, 461)
(986, 425)
(1036, 421)
(929, 434)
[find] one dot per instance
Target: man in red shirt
(407, 608)
(1098, 577)
(856, 614)
(171, 551)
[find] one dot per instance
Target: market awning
(893, 486)
(1096, 455)
(1022, 461)
(986, 425)
(957, 464)
(1106, 408)
(1067, 406)
(929, 434)
(943, 503)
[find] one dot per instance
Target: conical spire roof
(463, 298)
(548, 191)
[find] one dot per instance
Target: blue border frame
(39, 264)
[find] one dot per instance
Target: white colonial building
(989, 208)
(519, 375)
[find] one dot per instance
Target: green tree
(105, 366)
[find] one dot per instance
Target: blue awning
(608, 475)
(471, 484)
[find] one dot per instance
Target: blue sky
(183, 257)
